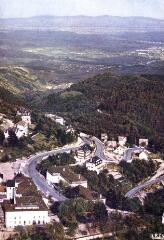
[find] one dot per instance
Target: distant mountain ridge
(83, 21)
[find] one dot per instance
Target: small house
(122, 140)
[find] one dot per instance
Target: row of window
(33, 217)
(27, 222)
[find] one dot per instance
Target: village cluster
(21, 201)
(21, 128)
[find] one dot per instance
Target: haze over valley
(58, 51)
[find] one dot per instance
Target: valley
(65, 54)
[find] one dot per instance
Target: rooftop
(22, 123)
(2, 189)
(87, 194)
(86, 147)
(10, 183)
(26, 203)
(67, 174)
(120, 138)
(25, 186)
(95, 159)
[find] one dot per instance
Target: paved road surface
(128, 153)
(41, 183)
(99, 148)
(38, 179)
(137, 189)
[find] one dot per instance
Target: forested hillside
(48, 134)
(129, 105)
(9, 102)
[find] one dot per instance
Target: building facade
(57, 174)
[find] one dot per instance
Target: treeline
(128, 105)
(138, 170)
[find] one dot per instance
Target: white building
(27, 211)
(143, 142)
(109, 147)
(83, 154)
(10, 189)
(27, 207)
(21, 129)
(25, 115)
(122, 140)
(26, 119)
(6, 126)
(57, 174)
(120, 150)
(6, 133)
(143, 156)
(95, 164)
(56, 118)
(60, 120)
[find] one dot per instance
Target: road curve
(128, 153)
(135, 190)
(38, 179)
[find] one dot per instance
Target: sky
(28, 8)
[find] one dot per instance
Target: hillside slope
(18, 80)
(128, 105)
(9, 102)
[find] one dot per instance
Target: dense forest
(129, 105)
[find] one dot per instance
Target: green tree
(55, 231)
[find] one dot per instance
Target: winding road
(48, 190)
(38, 179)
(99, 148)
(137, 189)
(129, 152)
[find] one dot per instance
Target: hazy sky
(27, 8)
